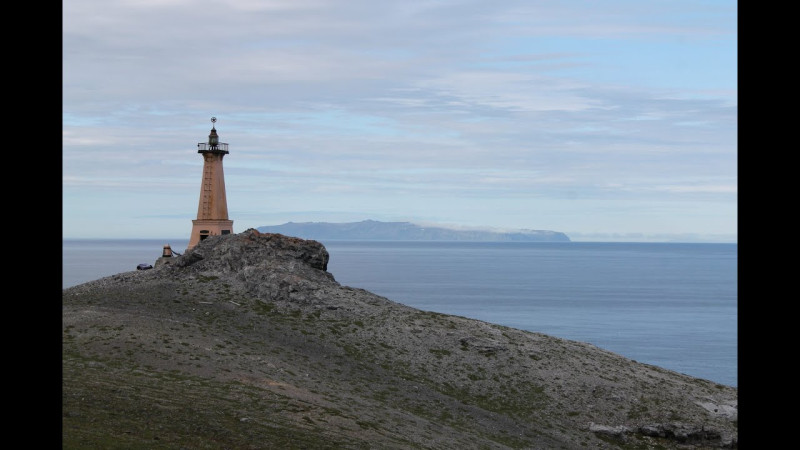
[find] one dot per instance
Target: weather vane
(213, 120)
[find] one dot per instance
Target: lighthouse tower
(212, 211)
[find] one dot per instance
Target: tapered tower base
(201, 229)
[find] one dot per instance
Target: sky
(607, 121)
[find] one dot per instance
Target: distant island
(372, 230)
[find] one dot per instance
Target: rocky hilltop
(247, 342)
(405, 231)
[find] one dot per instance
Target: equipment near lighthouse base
(212, 211)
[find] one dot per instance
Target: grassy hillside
(248, 343)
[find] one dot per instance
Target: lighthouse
(212, 210)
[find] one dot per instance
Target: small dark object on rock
(143, 266)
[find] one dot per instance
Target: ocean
(672, 305)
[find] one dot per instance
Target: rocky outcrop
(246, 341)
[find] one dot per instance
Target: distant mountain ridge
(405, 231)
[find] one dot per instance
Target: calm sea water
(670, 305)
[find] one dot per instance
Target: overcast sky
(606, 120)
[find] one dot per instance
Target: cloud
(358, 101)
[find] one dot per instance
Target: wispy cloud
(492, 114)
